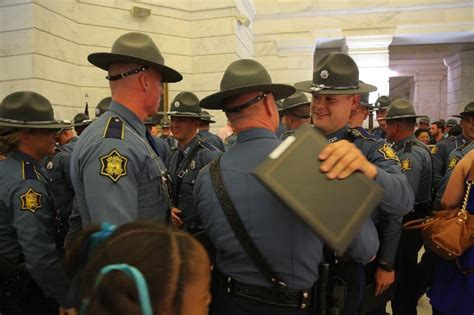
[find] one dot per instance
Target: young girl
(142, 268)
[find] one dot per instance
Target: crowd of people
(140, 212)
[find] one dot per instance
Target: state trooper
(165, 134)
(388, 225)
(32, 278)
(360, 114)
(443, 149)
(80, 122)
(291, 250)
(205, 134)
(449, 125)
(380, 108)
(103, 106)
(161, 145)
(336, 93)
(185, 162)
(424, 123)
(58, 171)
(294, 113)
(416, 164)
(117, 174)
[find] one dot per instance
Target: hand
(383, 280)
(342, 158)
(67, 311)
(176, 217)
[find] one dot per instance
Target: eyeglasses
(240, 108)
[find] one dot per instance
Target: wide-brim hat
(401, 109)
(103, 106)
(28, 109)
(382, 103)
(451, 123)
(468, 111)
(245, 76)
(136, 48)
(185, 104)
(80, 120)
(296, 99)
(336, 73)
(206, 117)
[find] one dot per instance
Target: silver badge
(193, 165)
(324, 74)
(49, 165)
(176, 104)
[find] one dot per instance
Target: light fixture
(140, 11)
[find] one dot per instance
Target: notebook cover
(334, 209)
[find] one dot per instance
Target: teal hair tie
(137, 277)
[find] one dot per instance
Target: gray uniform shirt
(398, 196)
(213, 139)
(117, 178)
(194, 157)
(27, 223)
(292, 249)
(440, 154)
(415, 163)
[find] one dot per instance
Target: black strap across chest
(238, 227)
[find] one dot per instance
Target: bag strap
(464, 271)
(419, 223)
(238, 227)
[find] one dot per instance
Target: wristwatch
(385, 266)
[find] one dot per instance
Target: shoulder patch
(113, 165)
(388, 153)
(31, 201)
(114, 128)
(405, 165)
(207, 146)
(453, 161)
(28, 170)
(434, 149)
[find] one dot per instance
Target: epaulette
(354, 133)
(28, 170)
(407, 147)
(114, 128)
(209, 147)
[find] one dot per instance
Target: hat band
(20, 122)
(240, 108)
(319, 87)
(125, 74)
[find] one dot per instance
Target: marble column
(460, 81)
(428, 99)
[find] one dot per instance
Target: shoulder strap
(114, 128)
(181, 172)
(238, 227)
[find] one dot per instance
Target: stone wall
(44, 44)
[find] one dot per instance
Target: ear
(25, 137)
(355, 101)
(143, 81)
(270, 105)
